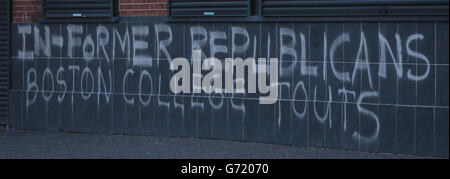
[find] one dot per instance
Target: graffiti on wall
(335, 81)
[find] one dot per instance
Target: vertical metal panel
(4, 59)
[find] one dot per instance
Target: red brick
(30, 10)
(26, 10)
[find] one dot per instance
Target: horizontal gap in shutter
(202, 8)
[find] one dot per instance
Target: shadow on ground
(18, 144)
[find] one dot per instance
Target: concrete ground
(21, 144)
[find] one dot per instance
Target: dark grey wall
(114, 78)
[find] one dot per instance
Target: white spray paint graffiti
(137, 48)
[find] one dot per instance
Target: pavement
(24, 144)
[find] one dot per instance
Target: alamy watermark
(191, 80)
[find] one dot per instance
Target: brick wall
(26, 10)
(143, 7)
(30, 10)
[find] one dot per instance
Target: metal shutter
(200, 8)
(4, 59)
(78, 8)
(310, 8)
